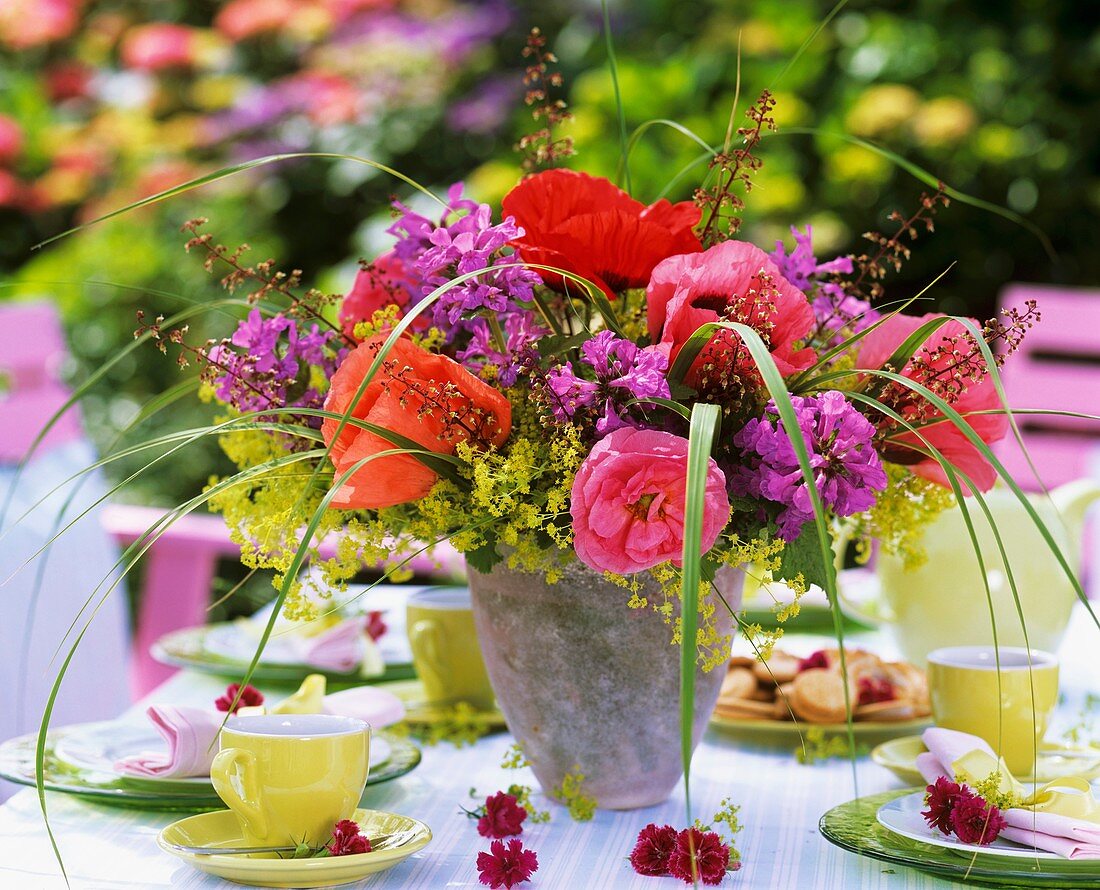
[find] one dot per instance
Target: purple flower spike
(623, 372)
(847, 469)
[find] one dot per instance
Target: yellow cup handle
(424, 637)
(233, 775)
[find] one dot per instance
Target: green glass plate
(17, 765)
(853, 826)
(187, 649)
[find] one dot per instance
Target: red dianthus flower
(506, 865)
(651, 852)
(975, 821)
(503, 816)
(346, 839)
(941, 798)
(250, 698)
(699, 855)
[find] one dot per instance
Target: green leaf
(705, 421)
(802, 556)
(485, 557)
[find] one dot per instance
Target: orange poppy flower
(419, 395)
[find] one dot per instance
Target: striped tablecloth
(781, 802)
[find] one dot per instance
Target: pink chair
(181, 564)
(1057, 367)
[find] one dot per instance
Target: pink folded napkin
(338, 649)
(367, 703)
(192, 733)
(192, 737)
(1069, 838)
(1062, 835)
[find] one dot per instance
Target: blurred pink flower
(11, 140)
(27, 23)
(67, 80)
(159, 45)
(241, 19)
(629, 497)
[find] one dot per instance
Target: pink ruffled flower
(628, 502)
(732, 281)
(877, 348)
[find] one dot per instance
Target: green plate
(17, 765)
(854, 826)
(187, 649)
(420, 712)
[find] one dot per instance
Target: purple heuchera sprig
(833, 308)
(623, 372)
(847, 469)
(440, 251)
(521, 330)
(272, 370)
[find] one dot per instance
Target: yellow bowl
(221, 829)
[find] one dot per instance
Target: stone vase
(587, 683)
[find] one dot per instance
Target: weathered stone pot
(587, 683)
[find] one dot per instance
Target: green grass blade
(822, 25)
(705, 422)
(928, 179)
(613, 67)
(226, 172)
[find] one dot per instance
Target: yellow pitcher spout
(1072, 500)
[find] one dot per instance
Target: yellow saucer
(221, 829)
(1055, 760)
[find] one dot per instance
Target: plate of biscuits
(786, 694)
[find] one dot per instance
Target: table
(106, 848)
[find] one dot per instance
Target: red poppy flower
(503, 816)
(346, 839)
(653, 849)
(506, 865)
(732, 281)
(699, 855)
(877, 348)
(250, 697)
(588, 226)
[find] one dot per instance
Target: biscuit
(817, 696)
(738, 684)
(779, 668)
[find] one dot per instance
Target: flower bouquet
(612, 409)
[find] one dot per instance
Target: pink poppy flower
(732, 281)
(628, 502)
(877, 348)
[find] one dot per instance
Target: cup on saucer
(1006, 696)
(289, 778)
(445, 651)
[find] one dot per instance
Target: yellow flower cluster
(571, 793)
(908, 503)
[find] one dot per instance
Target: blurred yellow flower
(943, 121)
(881, 109)
(854, 164)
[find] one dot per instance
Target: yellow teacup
(963, 684)
(291, 777)
(445, 651)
